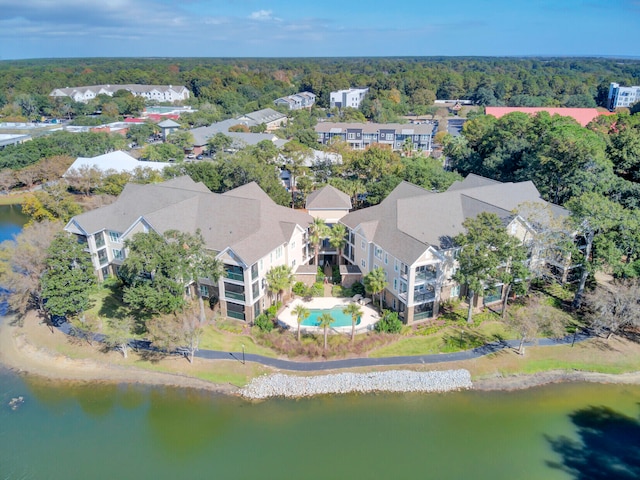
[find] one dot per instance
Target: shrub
(336, 277)
(264, 323)
(273, 310)
(338, 291)
(357, 288)
(299, 289)
(389, 323)
(317, 290)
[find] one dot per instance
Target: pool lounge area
(343, 323)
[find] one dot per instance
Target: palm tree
(325, 321)
(338, 239)
(279, 279)
(375, 282)
(354, 310)
(318, 230)
(302, 313)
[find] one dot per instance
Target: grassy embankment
(14, 198)
(450, 333)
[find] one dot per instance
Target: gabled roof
(168, 124)
(244, 219)
(265, 115)
(328, 198)
(411, 219)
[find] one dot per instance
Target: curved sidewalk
(361, 361)
(385, 361)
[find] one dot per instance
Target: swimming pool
(341, 319)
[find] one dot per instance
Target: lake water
(70, 431)
(11, 221)
(73, 431)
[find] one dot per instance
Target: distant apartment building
(622, 96)
(348, 98)
(157, 93)
(361, 135)
(297, 101)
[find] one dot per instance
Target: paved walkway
(315, 366)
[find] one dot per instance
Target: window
(455, 291)
(118, 254)
(351, 136)
(99, 238)
(293, 245)
(377, 252)
(362, 245)
(102, 256)
(386, 258)
(114, 237)
(395, 284)
(204, 291)
(363, 263)
(395, 265)
(514, 228)
(105, 273)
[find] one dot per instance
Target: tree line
(397, 85)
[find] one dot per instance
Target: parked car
(199, 157)
(191, 155)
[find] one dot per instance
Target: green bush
(273, 310)
(264, 323)
(299, 289)
(335, 275)
(338, 291)
(357, 288)
(389, 323)
(317, 290)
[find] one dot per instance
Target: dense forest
(398, 85)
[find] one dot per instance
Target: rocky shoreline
(290, 386)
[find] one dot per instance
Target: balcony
(234, 272)
(234, 295)
(236, 315)
(424, 297)
(426, 276)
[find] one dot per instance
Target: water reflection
(96, 400)
(608, 446)
(184, 422)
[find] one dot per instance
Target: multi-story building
(244, 228)
(622, 96)
(158, 93)
(347, 98)
(410, 236)
(297, 101)
(398, 136)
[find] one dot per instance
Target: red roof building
(582, 115)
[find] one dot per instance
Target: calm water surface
(67, 431)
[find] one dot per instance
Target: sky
(323, 28)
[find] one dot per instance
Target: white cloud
(263, 15)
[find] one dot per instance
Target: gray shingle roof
(244, 219)
(328, 198)
(411, 219)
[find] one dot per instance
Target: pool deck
(368, 319)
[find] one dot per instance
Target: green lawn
(214, 339)
(450, 338)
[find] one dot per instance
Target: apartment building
(398, 136)
(351, 98)
(157, 93)
(297, 101)
(410, 236)
(622, 96)
(244, 228)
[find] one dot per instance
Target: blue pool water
(341, 320)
